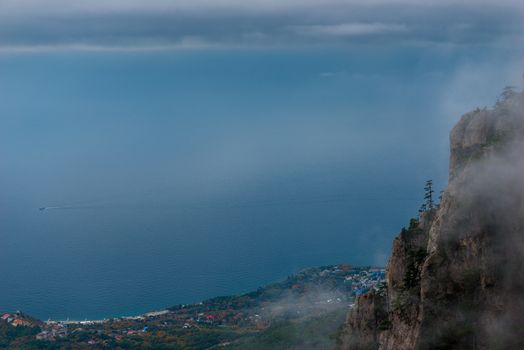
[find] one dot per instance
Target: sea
(96, 262)
(171, 177)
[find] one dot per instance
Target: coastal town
(16, 320)
(220, 321)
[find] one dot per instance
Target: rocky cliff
(455, 277)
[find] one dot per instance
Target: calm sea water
(186, 175)
(102, 262)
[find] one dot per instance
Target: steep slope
(456, 277)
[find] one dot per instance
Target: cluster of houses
(50, 330)
(53, 331)
(16, 320)
(365, 280)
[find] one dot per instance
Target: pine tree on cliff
(428, 195)
(507, 93)
(423, 208)
(429, 203)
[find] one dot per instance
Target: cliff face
(456, 278)
(364, 325)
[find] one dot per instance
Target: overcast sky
(32, 25)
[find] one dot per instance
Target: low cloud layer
(349, 29)
(29, 25)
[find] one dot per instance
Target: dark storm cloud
(130, 25)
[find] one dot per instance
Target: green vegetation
(415, 259)
(12, 337)
(313, 333)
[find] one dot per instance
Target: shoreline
(161, 312)
(323, 294)
(90, 322)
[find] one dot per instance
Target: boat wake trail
(63, 207)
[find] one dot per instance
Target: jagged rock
(455, 280)
(364, 323)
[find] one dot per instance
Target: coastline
(144, 316)
(315, 295)
(161, 312)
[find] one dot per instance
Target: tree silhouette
(428, 195)
(507, 93)
(429, 203)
